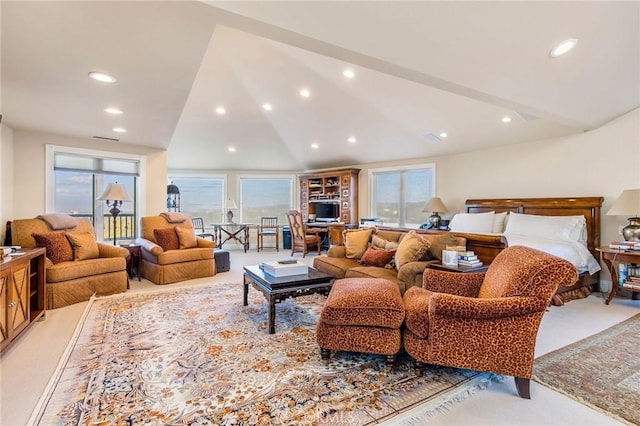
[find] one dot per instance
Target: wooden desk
(232, 232)
(609, 256)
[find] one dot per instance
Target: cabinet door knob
(12, 304)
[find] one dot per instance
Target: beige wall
(6, 178)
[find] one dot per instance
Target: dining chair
(198, 227)
(302, 237)
(268, 228)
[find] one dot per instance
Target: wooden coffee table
(276, 289)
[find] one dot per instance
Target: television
(327, 212)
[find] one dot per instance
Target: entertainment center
(330, 196)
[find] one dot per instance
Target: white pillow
(475, 223)
(560, 228)
(499, 222)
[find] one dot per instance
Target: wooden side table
(610, 256)
(459, 268)
(133, 261)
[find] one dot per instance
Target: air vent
(431, 137)
(106, 139)
(527, 117)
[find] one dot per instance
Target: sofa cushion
(167, 238)
(334, 266)
(66, 271)
(186, 238)
(56, 244)
(412, 248)
(356, 242)
(377, 257)
(84, 245)
(177, 256)
(371, 272)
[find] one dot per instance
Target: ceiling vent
(431, 137)
(527, 117)
(106, 139)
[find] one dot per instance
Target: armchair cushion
(56, 244)
(186, 238)
(84, 245)
(167, 238)
(453, 283)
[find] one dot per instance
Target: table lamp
(115, 192)
(231, 204)
(435, 206)
(628, 204)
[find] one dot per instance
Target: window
(265, 196)
(201, 196)
(77, 177)
(399, 194)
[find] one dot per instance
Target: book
(469, 263)
(276, 269)
(625, 245)
(631, 286)
(468, 258)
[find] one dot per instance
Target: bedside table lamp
(116, 193)
(628, 204)
(435, 206)
(231, 204)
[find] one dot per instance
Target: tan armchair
(70, 280)
(302, 237)
(194, 260)
(485, 321)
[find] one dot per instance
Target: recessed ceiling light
(352, 139)
(267, 107)
(114, 111)
(443, 135)
(315, 145)
(305, 93)
(506, 119)
(221, 111)
(102, 77)
(231, 149)
(348, 73)
(119, 130)
(563, 47)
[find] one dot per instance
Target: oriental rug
(601, 371)
(197, 356)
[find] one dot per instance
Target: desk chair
(268, 227)
(198, 227)
(302, 237)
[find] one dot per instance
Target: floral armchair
(485, 321)
(171, 251)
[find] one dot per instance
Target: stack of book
(625, 245)
(284, 268)
(632, 280)
(468, 258)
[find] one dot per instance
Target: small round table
(133, 261)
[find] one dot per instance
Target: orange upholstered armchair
(485, 321)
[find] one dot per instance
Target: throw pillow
(382, 243)
(439, 243)
(58, 247)
(412, 248)
(167, 238)
(356, 242)
(84, 245)
(186, 238)
(377, 257)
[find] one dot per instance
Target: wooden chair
(268, 228)
(198, 227)
(302, 237)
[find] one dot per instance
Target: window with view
(265, 196)
(398, 195)
(201, 196)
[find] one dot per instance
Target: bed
(487, 246)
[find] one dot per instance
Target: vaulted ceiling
(421, 69)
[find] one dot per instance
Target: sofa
(77, 266)
(171, 251)
(397, 254)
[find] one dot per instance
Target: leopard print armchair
(485, 321)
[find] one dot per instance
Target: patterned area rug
(197, 356)
(602, 371)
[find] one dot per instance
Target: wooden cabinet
(331, 194)
(22, 293)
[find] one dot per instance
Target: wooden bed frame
(487, 247)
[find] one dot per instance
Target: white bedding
(574, 252)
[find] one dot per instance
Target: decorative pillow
(58, 247)
(356, 242)
(499, 222)
(379, 242)
(475, 223)
(439, 243)
(186, 238)
(377, 257)
(84, 245)
(411, 248)
(560, 228)
(167, 238)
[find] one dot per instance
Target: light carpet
(602, 371)
(197, 356)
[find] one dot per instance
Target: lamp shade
(435, 205)
(115, 192)
(627, 204)
(231, 204)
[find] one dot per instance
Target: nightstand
(459, 268)
(133, 261)
(609, 257)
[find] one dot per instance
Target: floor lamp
(116, 193)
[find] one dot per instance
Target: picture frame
(345, 205)
(345, 192)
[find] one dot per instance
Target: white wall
(6, 178)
